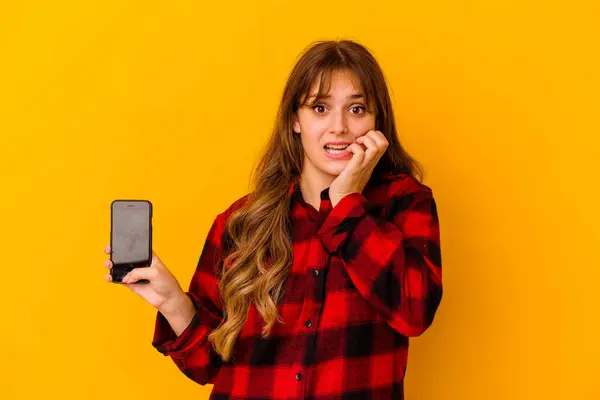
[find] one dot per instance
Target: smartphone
(130, 237)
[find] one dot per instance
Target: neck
(312, 183)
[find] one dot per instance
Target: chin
(335, 168)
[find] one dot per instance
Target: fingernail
(126, 279)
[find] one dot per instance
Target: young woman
(310, 285)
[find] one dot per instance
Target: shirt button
(298, 376)
(315, 272)
(308, 324)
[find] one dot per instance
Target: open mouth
(336, 149)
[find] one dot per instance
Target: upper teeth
(337, 146)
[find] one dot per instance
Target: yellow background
(172, 102)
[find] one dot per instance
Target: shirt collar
(296, 193)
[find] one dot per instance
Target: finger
(381, 142)
(108, 264)
(372, 149)
(108, 278)
(358, 156)
(107, 249)
(136, 274)
(379, 138)
(361, 141)
(369, 133)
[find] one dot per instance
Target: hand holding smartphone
(130, 237)
(131, 257)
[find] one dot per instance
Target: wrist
(179, 312)
(176, 305)
(335, 199)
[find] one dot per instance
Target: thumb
(137, 274)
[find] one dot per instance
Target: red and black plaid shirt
(366, 275)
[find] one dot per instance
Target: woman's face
(339, 118)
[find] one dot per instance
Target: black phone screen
(131, 236)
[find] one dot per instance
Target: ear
(295, 123)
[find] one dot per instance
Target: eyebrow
(328, 96)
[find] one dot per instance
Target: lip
(334, 143)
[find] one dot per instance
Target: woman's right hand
(163, 291)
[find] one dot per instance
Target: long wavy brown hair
(260, 231)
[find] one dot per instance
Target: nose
(339, 124)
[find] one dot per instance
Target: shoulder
(406, 195)
(236, 205)
(218, 234)
(400, 185)
(227, 211)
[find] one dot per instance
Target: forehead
(337, 80)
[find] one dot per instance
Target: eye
(357, 110)
(319, 108)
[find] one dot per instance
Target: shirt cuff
(342, 220)
(166, 340)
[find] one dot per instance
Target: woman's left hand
(357, 172)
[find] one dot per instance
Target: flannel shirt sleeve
(191, 351)
(394, 261)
